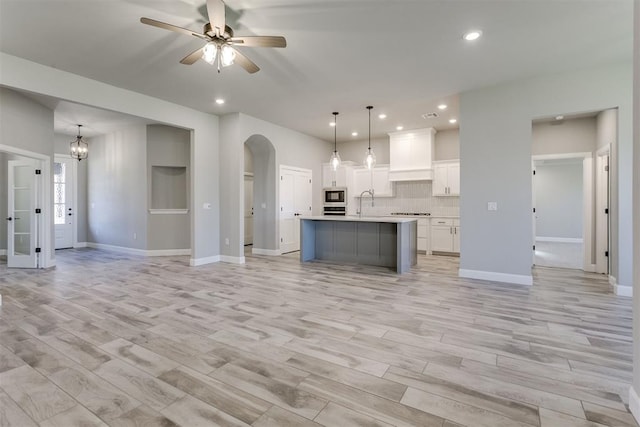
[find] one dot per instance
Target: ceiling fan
(220, 47)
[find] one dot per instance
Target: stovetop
(411, 213)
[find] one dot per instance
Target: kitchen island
(380, 241)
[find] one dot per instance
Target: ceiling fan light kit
(219, 49)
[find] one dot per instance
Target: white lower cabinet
(423, 235)
(445, 235)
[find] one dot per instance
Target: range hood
(411, 154)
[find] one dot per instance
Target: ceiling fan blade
(192, 57)
(170, 27)
(217, 15)
(246, 63)
(260, 41)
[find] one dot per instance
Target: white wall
(495, 152)
(205, 237)
(566, 136)
(118, 189)
(558, 196)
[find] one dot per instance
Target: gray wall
(118, 189)
(565, 136)
(636, 206)
(291, 148)
(607, 127)
(3, 199)
(26, 125)
(61, 146)
(495, 152)
(168, 146)
(356, 150)
(447, 145)
(558, 199)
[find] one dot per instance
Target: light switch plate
(492, 206)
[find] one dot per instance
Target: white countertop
(355, 218)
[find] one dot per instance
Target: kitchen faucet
(372, 200)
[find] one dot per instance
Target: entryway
(64, 209)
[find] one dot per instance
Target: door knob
(70, 214)
(9, 219)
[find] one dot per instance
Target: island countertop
(354, 218)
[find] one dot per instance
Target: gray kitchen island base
(386, 242)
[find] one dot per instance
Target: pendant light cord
(369, 108)
(335, 132)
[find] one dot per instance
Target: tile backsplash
(411, 196)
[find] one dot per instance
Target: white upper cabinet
(446, 178)
(343, 177)
(377, 178)
(411, 154)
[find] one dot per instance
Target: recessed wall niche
(168, 187)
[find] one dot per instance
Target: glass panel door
(21, 223)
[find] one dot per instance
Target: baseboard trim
(517, 279)
(623, 291)
(559, 239)
(78, 245)
(590, 268)
(232, 259)
(634, 403)
(269, 252)
(195, 262)
(119, 249)
(169, 252)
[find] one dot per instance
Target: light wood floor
(128, 341)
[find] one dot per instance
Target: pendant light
(334, 161)
(79, 148)
(370, 158)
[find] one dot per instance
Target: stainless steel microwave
(334, 196)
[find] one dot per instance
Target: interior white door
(534, 217)
(63, 203)
(602, 213)
(248, 210)
(295, 201)
(21, 216)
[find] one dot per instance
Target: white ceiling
(403, 57)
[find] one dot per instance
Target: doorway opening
(562, 196)
(65, 208)
(260, 212)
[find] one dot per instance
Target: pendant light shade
(334, 161)
(78, 148)
(370, 157)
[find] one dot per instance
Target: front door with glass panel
(21, 217)
(63, 202)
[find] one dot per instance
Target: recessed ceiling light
(442, 106)
(354, 133)
(332, 124)
(472, 35)
(452, 121)
(559, 117)
(382, 116)
(219, 101)
(399, 127)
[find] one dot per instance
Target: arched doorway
(265, 212)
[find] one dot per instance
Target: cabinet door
(439, 186)
(361, 181)
(453, 179)
(381, 183)
(441, 238)
(327, 175)
(456, 239)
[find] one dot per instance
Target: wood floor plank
(133, 341)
